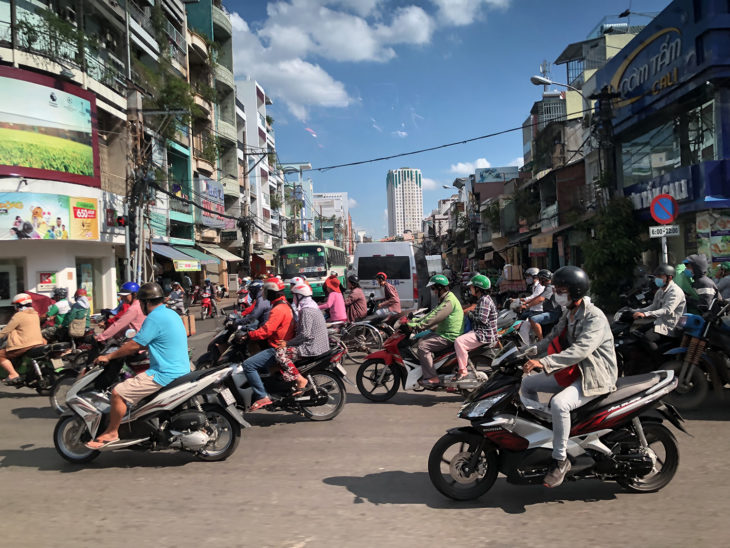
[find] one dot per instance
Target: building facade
(405, 201)
(331, 212)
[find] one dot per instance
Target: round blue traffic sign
(664, 209)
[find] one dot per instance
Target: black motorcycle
(635, 352)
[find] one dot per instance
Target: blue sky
(358, 79)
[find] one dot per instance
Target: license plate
(341, 369)
(227, 396)
(58, 363)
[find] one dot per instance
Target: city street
(359, 480)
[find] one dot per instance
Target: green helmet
(480, 281)
(725, 266)
(438, 279)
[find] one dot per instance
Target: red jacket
(280, 325)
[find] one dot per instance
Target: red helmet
(80, 292)
(381, 275)
(274, 284)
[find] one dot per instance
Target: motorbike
(385, 371)
(41, 367)
(206, 304)
(635, 354)
(701, 359)
(194, 413)
(242, 301)
(612, 438)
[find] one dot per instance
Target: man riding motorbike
(551, 311)
(278, 327)
(391, 303)
(483, 322)
(212, 290)
(23, 333)
(723, 280)
(133, 318)
(533, 304)
(355, 303)
(261, 306)
(696, 268)
(447, 323)
(667, 307)
(164, 335)
(56, 315)
(580, 364)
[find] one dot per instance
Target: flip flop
(263, 402)
(426, 384)
(300, 391)
(15, 381)
(97, 445)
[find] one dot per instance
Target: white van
(402, 262)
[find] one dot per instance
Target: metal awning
(220, 252)
(170, 252)
(199, 255)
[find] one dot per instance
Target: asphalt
(359, 480)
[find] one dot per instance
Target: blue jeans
(546, 317)
(259, 362)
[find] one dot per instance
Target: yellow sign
(186, 266)
(542, 241)
(84, 218)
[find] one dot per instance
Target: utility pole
(321, 226)
(607, 145)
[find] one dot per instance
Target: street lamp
(542, 81)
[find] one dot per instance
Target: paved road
(359, 480)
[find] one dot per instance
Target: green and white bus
(315, 260)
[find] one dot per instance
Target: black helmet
(664, 270)
(354, 280)
(545, 274)
(150, 292)
(60, 293)
(574, 279)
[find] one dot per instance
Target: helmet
(21, 300)
(545, 274)
(274, 284)
(381, 276)
(302, 289)
(664, 270)
(574, 279)
(150, 292)
(353, 279)
(207, 280)
(438, 279)
(725, 266)
(480, 281)
(532, 271)
(60, 293)
(296, 281)
(80, 292)
(698, 263)
(129, 288)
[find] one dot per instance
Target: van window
(397, 268)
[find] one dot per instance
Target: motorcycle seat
(625, 388)
(45, 349)
(311, 359)
(190, 377)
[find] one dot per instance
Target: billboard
(210, 196)
(496, 174)
(47, 129)
(30, 216)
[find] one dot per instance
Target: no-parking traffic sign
(664, 209)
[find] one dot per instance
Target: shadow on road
(397, 487)
(264, 419)
(424, 399)
(47, 458)
(18, 394)
(715, 408)
(35, 413)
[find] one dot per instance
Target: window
(398, 268)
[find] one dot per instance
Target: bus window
(396, 268)
(307, 260)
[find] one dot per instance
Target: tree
(611, 255)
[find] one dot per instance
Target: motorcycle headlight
(477, 409)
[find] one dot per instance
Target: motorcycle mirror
(130, 333)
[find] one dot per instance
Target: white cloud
(467, 168)
(429, 184)
(400, 133)
(519, 162)
(465, 12)
(352, 203)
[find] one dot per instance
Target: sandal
(299, 391)
(460, 376)
(427, 383)
(15, 381)
(96, 445)
(258, 404)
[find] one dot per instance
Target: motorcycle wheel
(664, 445)
(59, 391)
(47, 382)
(361, 341)
(691, 395)
(227, 433)
(69, 437)
(446, 467)
(367, 383)
(336, 397)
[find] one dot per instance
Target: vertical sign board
(664, 210)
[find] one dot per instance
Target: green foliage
(275, 202)
(55, 37)
(211, 149)
(614, 251)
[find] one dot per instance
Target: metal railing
(180, 206)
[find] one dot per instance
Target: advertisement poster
(46, 281)
(211, 198)
(186, 266)
(50, 132)
(713, 236)
(26, 215)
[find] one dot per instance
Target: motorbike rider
(58, 310)
(391, 303)
(580, 364)
(723, 280)
(23, 332)
(211, 289)
(335, 303)
(447, 323)
(176, 299)
(533, 304)
(696, 268)
(133, 318)
(166, 339)
(667, 307)
(261, 305)
(483, 321)
(551, 311)
(278, 327)
(531, 278)
(355, 303)
(80, 309)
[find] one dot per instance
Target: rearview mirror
(130, 333)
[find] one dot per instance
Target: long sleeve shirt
(279, 326)
(484, 321)
(311, 338)
(357, 305)
(336, 306)
(261, 311)
(667, 307)
(23, 330)
(133, 318)
(392, 299)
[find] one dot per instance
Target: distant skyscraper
(405, 201)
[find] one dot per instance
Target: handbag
(77, 328)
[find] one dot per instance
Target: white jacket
(667, 307)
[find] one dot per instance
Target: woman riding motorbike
(483, 322)
(23, 333)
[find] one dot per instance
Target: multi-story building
(405, 201)
(331, 211)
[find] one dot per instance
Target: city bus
(315, 260)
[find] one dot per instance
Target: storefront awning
(170, 252)
(220, 252)
(199, 255)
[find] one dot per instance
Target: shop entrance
(88, 276)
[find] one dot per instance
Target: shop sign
(496, 174)
(678, 185)
(663, 231)
(26, 215)
(186, 266)
(713, 236)
(211, 198)
(46, 281)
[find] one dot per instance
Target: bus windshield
(307, 260)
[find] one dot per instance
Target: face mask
(659, 282)
(562, 299)
(528, 280)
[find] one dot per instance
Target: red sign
(84, 213)
(664, 209)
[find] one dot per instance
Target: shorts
(134, 389)
(16, 353)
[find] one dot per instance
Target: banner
(211, 198)
(26, 215)
(186, 266)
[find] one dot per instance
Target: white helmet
(21, 300)
(296, 281)
(532, 271)
(302, 289)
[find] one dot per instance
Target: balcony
(224, 77)
(180, 206)
(204, 105)
(230, 186)
(197, 46)
(227, 132)
(221, 23)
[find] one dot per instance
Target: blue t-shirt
(163, 333)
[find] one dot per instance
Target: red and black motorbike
(612, 438)
(206, 304)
